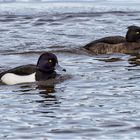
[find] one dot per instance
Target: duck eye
(50, 60)
(137, 33)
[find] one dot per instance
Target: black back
(21, 70)
(108, 40)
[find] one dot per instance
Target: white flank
(12, 79)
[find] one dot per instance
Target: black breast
(43, 76)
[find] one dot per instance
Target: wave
(118, 1)
(42, 1)
(50, 7)
(5, 1)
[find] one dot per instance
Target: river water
(99, 101)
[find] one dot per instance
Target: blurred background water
(100, 101)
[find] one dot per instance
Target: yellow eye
(137, 33)
(50, 61)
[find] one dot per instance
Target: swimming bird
(116, 44)
(44, 70)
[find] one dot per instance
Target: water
(99, 101)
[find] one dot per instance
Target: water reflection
(134, 60)
(43, 96)
(49, 102)
(45, 91)
(48, 89)
(111, 59)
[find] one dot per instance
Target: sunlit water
(99, 101)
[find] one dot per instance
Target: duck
(45, 69)
(116, 44)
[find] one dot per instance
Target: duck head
(48, 63)
(133, 34)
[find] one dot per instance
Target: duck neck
(42, 76)
(129, 38)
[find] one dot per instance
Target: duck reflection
(48, 94)
(45, 91)
(43, 95)
(134, 60)
(110, 59)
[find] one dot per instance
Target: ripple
(98, 98)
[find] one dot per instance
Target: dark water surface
(99, 101)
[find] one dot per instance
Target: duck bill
(59, 68)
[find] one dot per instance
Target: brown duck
(117, 44)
